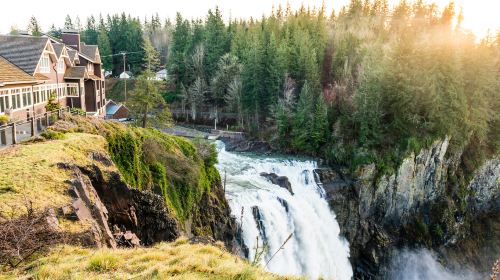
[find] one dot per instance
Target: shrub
(52, 103)
(4, 119)
(24, 237)
(50, 134)
(103, 261)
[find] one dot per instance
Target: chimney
(71, 37)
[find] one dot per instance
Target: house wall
(90, 96)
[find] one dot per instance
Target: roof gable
(23, 51)
(11, 74)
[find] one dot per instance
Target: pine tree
(34, 28)
(105, 49)
(151, 56)
(68, 23)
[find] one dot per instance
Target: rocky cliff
(420, 205)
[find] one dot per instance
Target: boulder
(281, 181)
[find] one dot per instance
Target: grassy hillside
(177, 260)
(29, 173)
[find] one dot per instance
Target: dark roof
(89, 51)
(58, 48)
(22, 51)
(9, 73)
(76, 72)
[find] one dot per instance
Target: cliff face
(146, 215)
(417, 206)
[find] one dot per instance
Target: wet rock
(283, 203)
(281, 181)
(211, 217)
(244, 145)
(257, 216)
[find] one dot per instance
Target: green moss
(168, 165)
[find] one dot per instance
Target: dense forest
(368, 83)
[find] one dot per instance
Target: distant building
(126, 75)
(162, 75)
(116, 110)
(108, 74)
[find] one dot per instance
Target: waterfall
(272, 213)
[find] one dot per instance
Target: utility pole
(124, 70)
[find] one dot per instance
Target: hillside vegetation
(177, 260)
(179, 170)
(30, 173)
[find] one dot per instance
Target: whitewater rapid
(315, 249)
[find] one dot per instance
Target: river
(272, 213)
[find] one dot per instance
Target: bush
(52, 103)
(4, 119)
(50, 134)
(22, 238)
(103, 262)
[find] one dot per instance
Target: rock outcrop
(245, 145)
(415, 206)
(281, 181)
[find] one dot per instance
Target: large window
(4, 100)
(45, 64)
(26, 92)
(60, 66)
(16, 98)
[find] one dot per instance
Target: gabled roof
(113, 107)
(11, 74)
(76, 72)
(58, 48)
(89, 50)
(23, 51)
(73, 55)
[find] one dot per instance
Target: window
(60, 66)
(45, 64)
(4, 100)
(43, 93)
(90, 68)
(26, 92)
(16, 98)
(72, 90)
(36, 95)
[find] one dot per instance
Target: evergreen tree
(105, 49)
(34, 28)
(68, 23)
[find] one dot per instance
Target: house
(126, 75)
(162, 75)
(14, 78)
(68, 71)
(37, 57)
(116, 110)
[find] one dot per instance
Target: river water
(272, 213)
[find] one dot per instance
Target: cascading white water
(316, 249)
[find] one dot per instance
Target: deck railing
(22, 130)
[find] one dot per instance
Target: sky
(480, 15)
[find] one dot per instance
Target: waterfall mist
(422, 265)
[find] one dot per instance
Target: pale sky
(480, 15)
